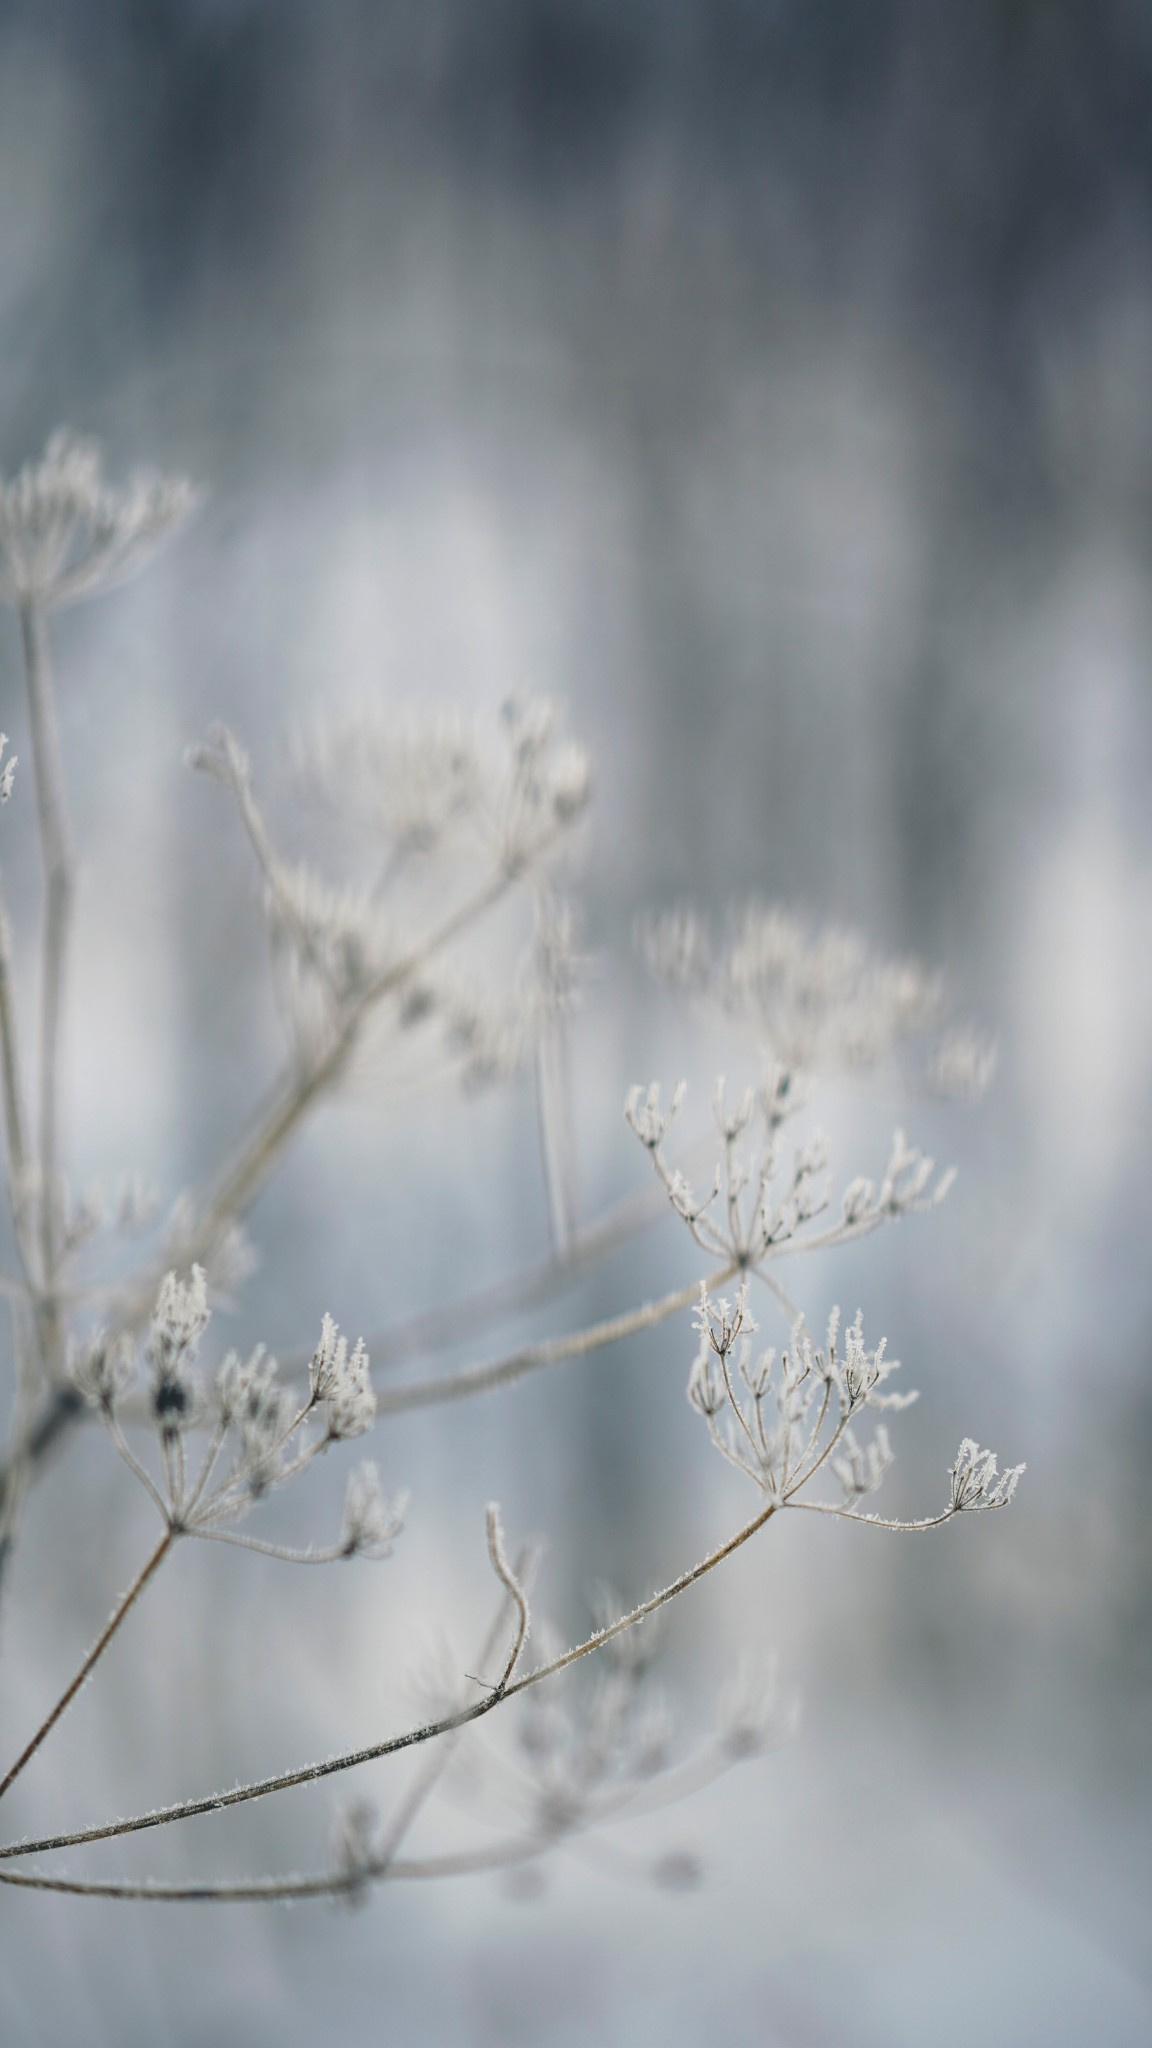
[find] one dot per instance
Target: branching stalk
(261, 1788)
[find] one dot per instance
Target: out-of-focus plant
(454, 822)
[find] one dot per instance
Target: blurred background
(771, 384)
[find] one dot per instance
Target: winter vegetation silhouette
(110, 1300)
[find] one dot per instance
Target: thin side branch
(437, 1329)
(480, 1379)
(462, 1863)
(512, 1586)
(123, 1607)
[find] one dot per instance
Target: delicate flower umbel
(588, 1755)
(65, 533)
(815, 999)
(415, 782)
(545, 787)
(340, 1383)
(781, 1420)
(102, 1368)
(258, 1434)
(259, 1411)
(178, 1322)
(760, 1206)
(784, 1422)
(977, 1484)
(860, 1468)
(370, 1525)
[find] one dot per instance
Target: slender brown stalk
(123, 1607)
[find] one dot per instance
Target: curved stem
(332, 1555)
(821, 1507)
(461, 1863)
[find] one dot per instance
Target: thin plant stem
(553, 1103)
(479, 1379)
(510, 1581)
(437, 1329)
(331, 1555)
(15, 1116)
(133, 1463)
(13, 1492)
(123, 1607)
(461, 1863)
(56, 855)
(822, 1507)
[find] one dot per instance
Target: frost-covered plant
(455, 822)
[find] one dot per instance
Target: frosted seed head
(813, 998)
(340, 1382)
(976, 1482)
(706, 1390)
(859, 1197)
(323, 1361)
(65, 534)
(181, 1314)
(370, 1525)
(644, 1116)
(178, 1322)
(102, 1368)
